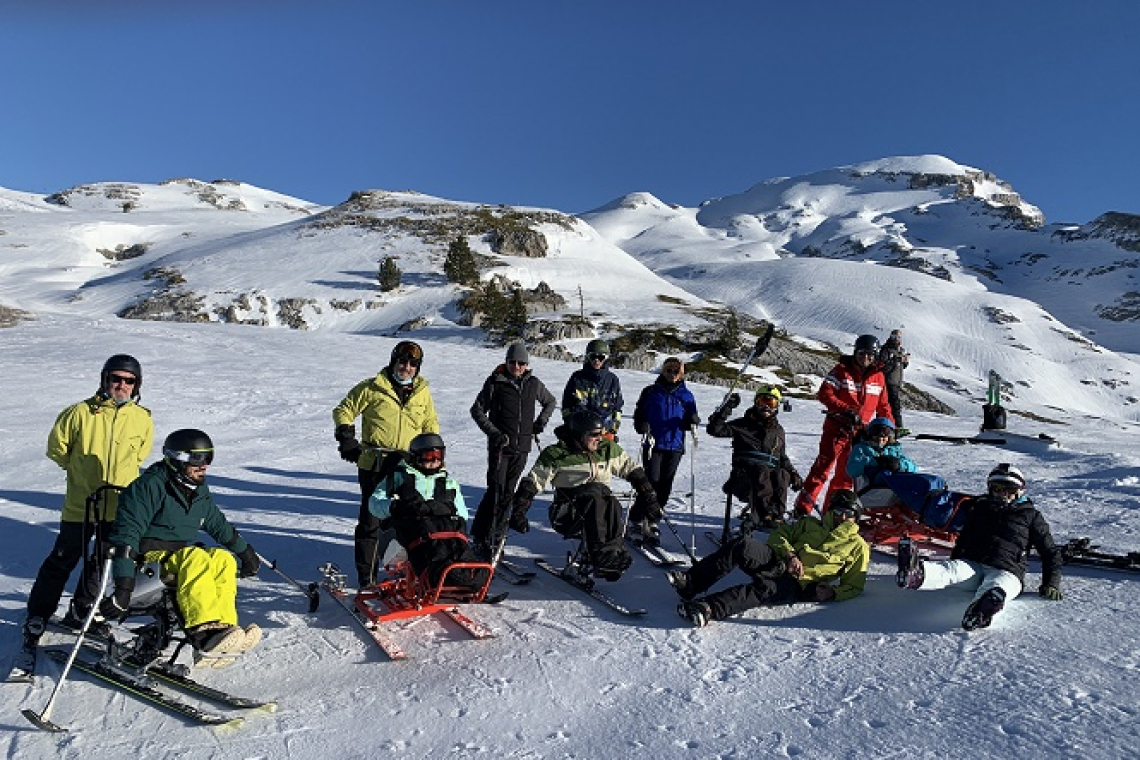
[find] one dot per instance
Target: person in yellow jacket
(100, 441)
(394, 407)
(799, 563)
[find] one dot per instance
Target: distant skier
(596, 389)
(893, 359)
(580, 468)
(761, 471)
(504, 411)
(799, 563)
(665, 411)
(988, 560)
(852, 393)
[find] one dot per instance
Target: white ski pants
(967, 575)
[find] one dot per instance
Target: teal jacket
(155, 514)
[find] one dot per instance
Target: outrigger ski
(378, 635)
(589, 588)
(139, 686)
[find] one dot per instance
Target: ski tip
(42, 723)
(228, 726)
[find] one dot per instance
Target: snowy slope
(886, 674)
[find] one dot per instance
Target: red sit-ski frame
(882, 527)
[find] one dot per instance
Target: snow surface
(889, 674)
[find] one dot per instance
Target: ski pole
(42, 719)
(692, 554)
(312, 590)
(693, 492)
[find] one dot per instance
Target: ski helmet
(427, 447)
(1006, 475)
(845, 503)
(583, 423)
(880, 422)
(187, 448)
(409, 351)
(867, 343)
(768, 390)
(597, 346)
(122, 363)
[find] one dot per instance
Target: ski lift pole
(311, 590)
(42, 719)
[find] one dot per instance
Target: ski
(141, 687)
(588, 587)
(474, 629)
(1081, 551)
(961, 439)
(655, 554)
(513, 574)
(378, 635)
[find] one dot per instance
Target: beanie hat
(517, 353)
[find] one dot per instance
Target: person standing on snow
(580, 468)
(664, 412)
(504, 411)
(158, 520)
(893, 359)
(989, 556)
(761, 471)
(852, 393)
(101, 441)
(798, 563)
(394, 407)
(596, 389)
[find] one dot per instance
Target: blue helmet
(880, 422)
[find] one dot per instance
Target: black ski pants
(763, 488)
(894, 398)
(69, 547)
(371, 542)
(661, 468)
(504, 468)
(599, 516)
(770, 584)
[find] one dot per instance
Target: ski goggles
(598, 357)
(768, 402)
(195, 458)
(431, 455)
(1004, 489)
(844, 512)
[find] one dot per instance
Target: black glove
(347, 444)
(538, 427)
(646, 504)
(731, 402)
(640, 427)
(518, 522)
(408, 502)
(250, 562)
(890, 463)
(797, 482)
(1052, 593)
(692, 422)
(824, 592)
(852, 418)
(115, 606)
(499, 441)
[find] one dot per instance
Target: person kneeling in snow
(990, 553)
(580, 467)
(158, 520)
(797, 564)
(424, 506)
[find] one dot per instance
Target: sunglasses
(672, 370)
(844, 512)
(768, 401)
(124, 379)
(865, 353)
(514, 363)
(598, 357)
(411, 361)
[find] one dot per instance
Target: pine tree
(730, 332)
(389, 275)
(514, 321)
(459, 265)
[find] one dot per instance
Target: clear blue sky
(569, 104)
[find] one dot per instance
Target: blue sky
(569, 104)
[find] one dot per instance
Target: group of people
(406, 493)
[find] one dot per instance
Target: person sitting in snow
(876, 452)
(798, 563)
(580, 467)
(761, 471)
(158, 520)
(989, 556)
(425, 508)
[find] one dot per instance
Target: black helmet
(582, 423)
(122, 363)
(187, 448)
(845, 501)
(426, 447)
(867, 343)
(407, 349)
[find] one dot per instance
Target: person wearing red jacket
(853, 393)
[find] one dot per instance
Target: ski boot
(650, 533)
(911, 572)
(981, 613)
(24, 663)
(609, 564)
(698, 613)
(679, 580)
(76, 615)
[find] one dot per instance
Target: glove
(731, 402)
(538, 427)
(693, 422)
(640, 427)
(824, 593)
(852, 418)
(518, 522)
(797, 482)
(350, 450)
(1052, 593)
(890, 463)
(646, 504)
(115, 606)
(499, 441)
(250, 562)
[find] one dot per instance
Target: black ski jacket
(507, 406)
(756, 442)
(1000, 535)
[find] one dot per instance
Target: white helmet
(1007, 475)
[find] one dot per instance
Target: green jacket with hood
(827, 551)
